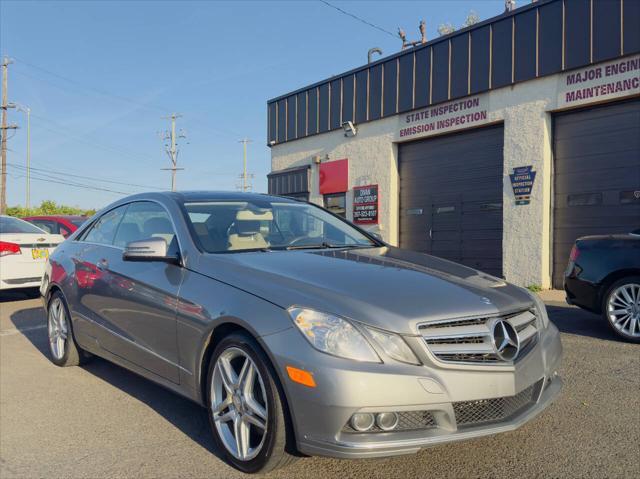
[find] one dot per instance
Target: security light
(349, 128)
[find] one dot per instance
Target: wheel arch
(215, 336)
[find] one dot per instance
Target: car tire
(620, 296)
(63, 348)
(230, 407)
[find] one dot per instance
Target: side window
(104, 229)
(144, 220)
(48, 226)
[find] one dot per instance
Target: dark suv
(603, 276)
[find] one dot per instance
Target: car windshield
(234, 226)
(15, 225)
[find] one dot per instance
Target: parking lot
(102, 421)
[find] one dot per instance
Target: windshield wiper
(323, 245)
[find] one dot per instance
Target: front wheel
(246, 409)
(621, 308)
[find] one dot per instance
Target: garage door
(597, 176)
(451, 197)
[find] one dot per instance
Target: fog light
(387, 420)
(362, 421)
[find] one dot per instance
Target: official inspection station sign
(522, 183)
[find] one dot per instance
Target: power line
(84, 184)
(100, 91)
(85, 177)
(358, 18)
(82, 139)
(78, 185)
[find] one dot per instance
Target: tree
(48, 207)
(447, 28)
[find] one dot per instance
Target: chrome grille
(471, 413)
(407, 421)
(470, 341)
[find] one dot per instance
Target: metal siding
(457, 182)
(290, 182)
(460, 66)
(347, 98)
(501, 54)
(375, 92)
(405, 83)
(440, 78)
(525, 45)
(390, 88)
(336, 103)
(606, 29)
(312, 114)
(291, 118)
(282, 121)
(272, 121)
(480, 59)
(550, 39)
(596, 156)
(302, 114)
(361, 96)
(577, 52)
(323, 108)
(631, 20)
(423, 72)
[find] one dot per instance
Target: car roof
(65, 217)
(189, 196)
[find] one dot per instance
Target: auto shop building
(495, 146)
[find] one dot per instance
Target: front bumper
(346, 387)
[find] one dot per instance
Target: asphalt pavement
(100, 420)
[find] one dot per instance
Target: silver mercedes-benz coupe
(299, 332)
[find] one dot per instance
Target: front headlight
(333, 335)
(394, 346)
(541, 307)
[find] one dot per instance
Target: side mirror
(152, 249)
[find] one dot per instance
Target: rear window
(15, 225)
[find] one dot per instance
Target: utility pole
(172, 147)
(4, 130)
(244, 177)
(27, 110)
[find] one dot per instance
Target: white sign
(447, 116)
(614, 79)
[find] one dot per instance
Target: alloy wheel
(623, 309)
(238, 404)
(58, 328)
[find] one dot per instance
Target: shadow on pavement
(184, 414)
(573, 320)
(18, 294)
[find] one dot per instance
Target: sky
(99, 76)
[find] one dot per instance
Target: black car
(603, 276)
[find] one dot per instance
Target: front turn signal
(301, 376)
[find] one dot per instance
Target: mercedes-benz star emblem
(505, 340)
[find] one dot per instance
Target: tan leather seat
(246, 230)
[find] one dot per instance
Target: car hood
(384, 287)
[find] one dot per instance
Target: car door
(139, 304)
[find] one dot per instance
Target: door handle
(102, 264)
(430, 233)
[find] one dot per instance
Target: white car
(24, 250)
